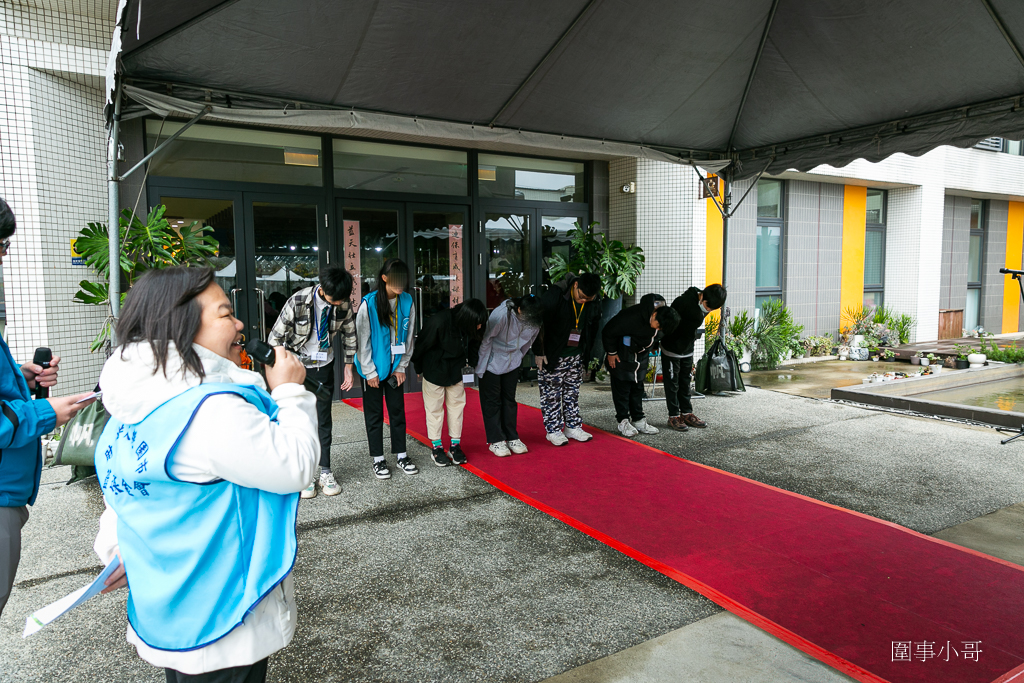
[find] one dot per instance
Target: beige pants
(434, 400)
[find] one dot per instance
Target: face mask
(706, 311)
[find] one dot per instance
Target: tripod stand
(1016, 275)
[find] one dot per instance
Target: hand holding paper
(47, 614)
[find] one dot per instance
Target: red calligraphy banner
(351, 251)
(456, 284)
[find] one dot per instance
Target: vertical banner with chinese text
(455, 265)
(351, 251)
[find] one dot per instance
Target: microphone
(42, 357)
(262, 352)
(1015, 273)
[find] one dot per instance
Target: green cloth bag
(78, 444)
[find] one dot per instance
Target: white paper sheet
(42, 617)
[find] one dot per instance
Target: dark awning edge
(960, 127)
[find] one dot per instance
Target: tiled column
(913, 257)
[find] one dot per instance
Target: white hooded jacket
(229, 439)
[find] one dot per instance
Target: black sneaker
(456, 454)
(381, 471)
(440, 457)
(408, 466)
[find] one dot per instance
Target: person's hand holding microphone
(287, 369)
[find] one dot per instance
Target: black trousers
(254, 673)
(373, 415)
(628, 398)
(676, 373)
(325, 420)
(498, 405)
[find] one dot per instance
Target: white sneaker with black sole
(644, 428)
(557, 438)
(578, 434)
(627, 430)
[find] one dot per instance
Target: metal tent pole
(114, 212)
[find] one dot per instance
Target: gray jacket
(506, 341)
(364, 349)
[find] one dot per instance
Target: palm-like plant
(618, 265)
(144, 246)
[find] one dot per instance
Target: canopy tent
(766, 84)
(737, 86)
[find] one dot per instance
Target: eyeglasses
(5, 245)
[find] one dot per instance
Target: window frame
(775, 292)
(881, 229)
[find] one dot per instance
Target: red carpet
(839, 585)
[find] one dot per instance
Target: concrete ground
(817, 379)
(439, 577)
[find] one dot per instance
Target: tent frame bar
(1002, 29)
(159, 148)
(726, 208)
(544, 59)
(753, 71)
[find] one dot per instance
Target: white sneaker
(309, 491)
(328, 484)
(557, 438)
(578, 434)
(644, 428)
(517, 447)
(500, 449)
(627, 430)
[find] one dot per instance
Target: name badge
(574, 338)
(468, 375)
(397, 349)
(626, 341)
(320, 356)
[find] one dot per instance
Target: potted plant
(874, 354)
(844, 352)
(977, 359)
(889, 354)
(916, 358)
(934, 363)
(144, 246)
(618, 265)
(961, 350)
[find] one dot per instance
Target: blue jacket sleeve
(22, 422)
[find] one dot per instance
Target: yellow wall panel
(714, 256)
(1014, 244)
(851, 288)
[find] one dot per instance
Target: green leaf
(95, 293)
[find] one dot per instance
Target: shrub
(1010, 354)
(771, 335)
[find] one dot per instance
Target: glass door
(507, 258)
(438, 234)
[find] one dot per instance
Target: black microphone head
(1004, 270)
(261, 352)
(42, 357)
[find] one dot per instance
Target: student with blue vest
(385, 337)
(201, 470)
(22, 422)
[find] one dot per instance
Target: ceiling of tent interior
(769, 83)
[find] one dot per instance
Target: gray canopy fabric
(767, 84)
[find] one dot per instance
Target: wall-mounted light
(301, 157)
(629, 188)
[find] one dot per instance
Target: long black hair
(398, 276)
(162, 308)
(468, 315)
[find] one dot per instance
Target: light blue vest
(198, 556)
(380, 336)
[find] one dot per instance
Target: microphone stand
(1016, 275)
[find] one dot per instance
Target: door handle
(234, 299)
(263, 312)
(419, 308)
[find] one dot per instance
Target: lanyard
(578, 314)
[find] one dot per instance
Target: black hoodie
(559, 321)
(634, 324)
(691, 318)
(442, 350)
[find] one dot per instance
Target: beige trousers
(434, 400)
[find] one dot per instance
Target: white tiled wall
(52, 167)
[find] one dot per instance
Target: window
(362, 165)
(972, 309)
(770, 228)
(874, 249)
(220, 153)
(546, 180)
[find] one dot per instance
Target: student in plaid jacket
(307, 326)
